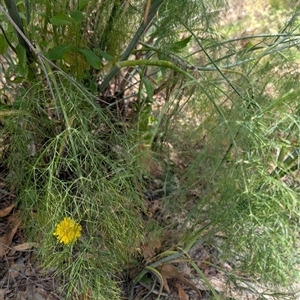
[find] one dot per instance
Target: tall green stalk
(134, 41)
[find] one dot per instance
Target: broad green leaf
(21, 54)
(180, 45)
(83, 4)
(77, 16)
(60, 19)
(59, 51)
(149, 89)
(92, 58)
(23, 71)
(3, 44)
(105, 55)
(18, 79)
(144, 118)
(22, 16)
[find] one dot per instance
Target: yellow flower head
(67, 231)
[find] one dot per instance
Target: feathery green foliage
(226, 107)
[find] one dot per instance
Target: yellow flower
(67, 231)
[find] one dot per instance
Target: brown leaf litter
(20, 276)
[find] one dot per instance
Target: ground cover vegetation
(134, 132)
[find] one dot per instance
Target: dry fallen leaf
(2, 294)
(6, 240)
(147, 252)
(24, 246)
(14, 271)
(5, 211)
(181, 293)
(169, 271)
(166, 285)
(151, 247)
(33, 291)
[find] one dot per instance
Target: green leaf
(180, 45)
(105, 55)
(92, 58)
(21, 68)
(21, 54)
(18, 79)
(58, 52)
(60, 19)
(3, 44)
(77, 16)
(83, 4)
(144, 118)
(149, 89)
